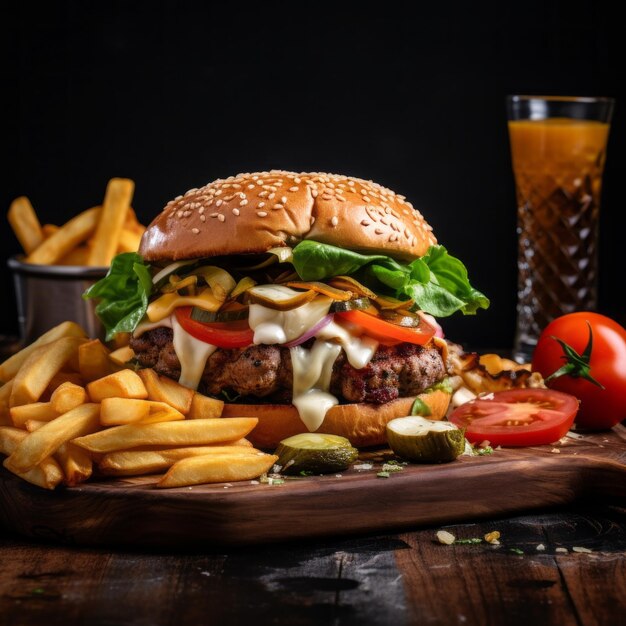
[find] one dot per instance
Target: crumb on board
(581, 549)
(540, 547)
(443, 536)
(493, 537)
(562, 550)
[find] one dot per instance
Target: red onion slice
(434, 323)
(327, 319)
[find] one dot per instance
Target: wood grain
(404, 580)
(133, 512)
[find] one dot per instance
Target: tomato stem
(576, 365)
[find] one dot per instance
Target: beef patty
(265, 371)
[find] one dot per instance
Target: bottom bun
(363, 424)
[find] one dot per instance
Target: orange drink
(558, 161)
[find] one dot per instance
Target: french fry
(217, 469)
(122, 355)
(77, 465)
(10, 367)
(162, 412)
(42, 411)
(72, 233)
(48, 230)
(48, 474)
(122, 384)
(25, 224)
(117, 199)
(203, 407)
(32, 425)
(120, 340)
(46, 440)
(40, 366)
(172, 434)
(67, 396)
(118, 411)
(128, 241)
(94, 361)
(163, 389)
(64, 377)
(137, 462)
(5, 394)
(77, 256)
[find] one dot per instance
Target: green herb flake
(38, 591)
(483, 451)
(392, 467)
(471, 541)
(383, 474)
(516, 551)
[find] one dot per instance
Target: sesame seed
(351, 183)
(243, 203)
(340, 198)
(220, 217)
(242, 195)
(235, 211)
(393, 237)
(179, 214)
(326, 196)
(297, 180)
(378, 231)
(263, 194)
(284, 199)
(365, 223)
(314, 193)
(366, 199)
(334, 221)
(203, 218)
(363, 192)
(294, 188)
(259, 182)
(278, 206)
(228, 198)
(218, 192)
(261, 205)
(210, 202)
(219, 203)
(186, 213)
(195, 231)
(201, 210)
(214, 214)
(251, 186)
(271, 196)
(262, 213)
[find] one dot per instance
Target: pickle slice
(422, 440)
(315, 452)
(357, 304)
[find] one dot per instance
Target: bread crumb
(555, 451)
(443, 536)
(493, 537)
(581, 549)
(540, 547)
(562, 550)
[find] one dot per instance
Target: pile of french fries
(91, 238)
(69, 406)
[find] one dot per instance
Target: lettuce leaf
(123, 294)
(437, 282)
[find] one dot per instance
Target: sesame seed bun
(251, 213)
(363, 424)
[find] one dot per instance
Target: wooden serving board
(132, 512)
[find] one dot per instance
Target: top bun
(251, 213)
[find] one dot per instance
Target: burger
(307, 300)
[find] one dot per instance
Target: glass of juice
(558, 149)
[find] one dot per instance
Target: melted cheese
(359, 350)
(272, 326)
(163, 306)
(192, 354)
(144, 327)
(312, 370)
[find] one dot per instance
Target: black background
(175, 94)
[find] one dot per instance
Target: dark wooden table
(396, 579)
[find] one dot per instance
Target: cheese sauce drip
(192, 354)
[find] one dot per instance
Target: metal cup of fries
(50, 294)
(61, 262)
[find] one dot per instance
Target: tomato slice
(518, 417)
(236, 334)
(384, 331)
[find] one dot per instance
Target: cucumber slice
(422, 440)
(202, 315)
(315, 452)
(356, 304)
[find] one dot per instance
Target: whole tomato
(587, 351)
